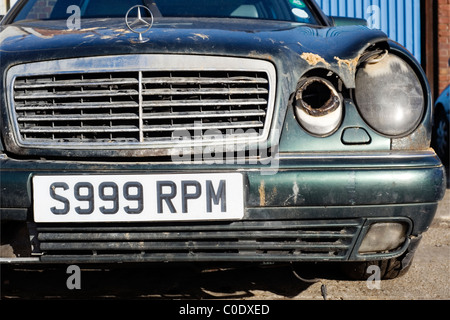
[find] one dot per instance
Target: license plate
(135, 198)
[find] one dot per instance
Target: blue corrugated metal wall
(399, 19)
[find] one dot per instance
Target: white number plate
(126, 198)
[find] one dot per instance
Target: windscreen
(282, 10)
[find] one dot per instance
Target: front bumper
(313, 207)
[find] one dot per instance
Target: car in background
(252, 131)
(441, 126)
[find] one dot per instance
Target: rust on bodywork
(418, 140)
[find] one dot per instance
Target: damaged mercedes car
(253, 131)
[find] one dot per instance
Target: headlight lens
(318, 106)
(389, 95)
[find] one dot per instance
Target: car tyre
(388, 269)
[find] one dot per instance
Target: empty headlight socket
(319, 106)
(317, 96)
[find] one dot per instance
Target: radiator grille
(236, 241)
(140, 107)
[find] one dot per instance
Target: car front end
(213, 140)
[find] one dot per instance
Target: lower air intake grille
(269, 241)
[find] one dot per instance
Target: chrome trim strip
(382, 155)
(141, 110)
(19, 260)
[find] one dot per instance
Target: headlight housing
(389, 95)
(318, 106)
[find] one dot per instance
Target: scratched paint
(262, 194)
(349, 63)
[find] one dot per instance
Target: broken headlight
(389, 95)
(318, 106)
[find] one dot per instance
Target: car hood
(288, 45)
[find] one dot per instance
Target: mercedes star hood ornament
(137, 23)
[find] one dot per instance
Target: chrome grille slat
(181, 81)
(152, 128)
(92, 129)
(203, 103)
(73, 94)
(53, 104)
(208, 126)
(77, 106)
(131, 116)
(204, 114)
(85, 117)
(72, 83)
(237, 103)
(224, 91)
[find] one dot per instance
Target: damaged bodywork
(236, 138)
